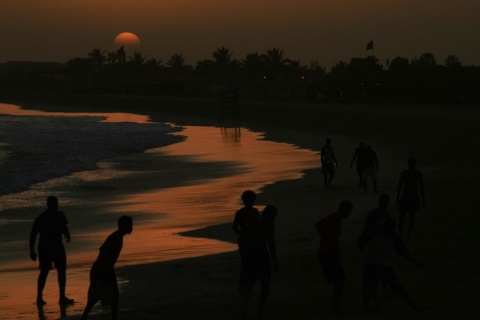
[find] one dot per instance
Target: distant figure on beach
(370, 167)
(327, 158)
(374, 221)
(103, 280)
(259, 254)
(51, 225)
(410, 193)
(358, 156)
(378, 256)
(241, 217)
(330, 229)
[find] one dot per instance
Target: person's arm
(272, 247)
(65, 230)
(33, 238)
(399, 188)
(236, 225)
(354, 157)
(375, 159)
(422, 190)
(334, 159)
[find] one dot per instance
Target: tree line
(257, 75)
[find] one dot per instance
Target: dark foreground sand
(445, 140)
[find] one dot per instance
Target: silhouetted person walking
(410, 193)
(51, 225)
(260, 252)
(358, 156)
(103, 280)
(370, 168)
(241, 217)
(330, 229)
(327, 158)
(378, 256)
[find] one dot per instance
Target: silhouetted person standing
(330, 229)
(370, 168)
(410, 193)
(103, 280)
(241, 217)
(378, 255)
(327, 158)
(51, 225)
(358, 156)
(260, 252)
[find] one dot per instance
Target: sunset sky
(325, 31)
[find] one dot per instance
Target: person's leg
(401, 221)
(60, 262)
(332, 173)
(247, 288)
(114, 308)
(42, 279)
(411, 222)
(392, 281)
(265, 274)
(337, 295)
(88, 308)
(62, 282)
(360, 174)
(264, 292)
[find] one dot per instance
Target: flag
(370, 45)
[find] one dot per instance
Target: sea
(170, 178)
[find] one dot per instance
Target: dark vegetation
(257, 76)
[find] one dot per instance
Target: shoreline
(299, 286)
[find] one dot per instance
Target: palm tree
(426, 59)
(222, 57)
(276, 63)
(176, 62)
(254, 65)
(97, 57)
(452, 61)
(398, 64)
(137, 59)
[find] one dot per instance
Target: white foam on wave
(34, 149)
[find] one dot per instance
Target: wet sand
(444, 140)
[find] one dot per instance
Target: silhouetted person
(51, 225)
(374, 221)
(378, 256)
(241, 217)
(327, 158)
(330, 229)
(260, 252)
(410, 193)
(358, 156)
(103, 280)
(370, 168)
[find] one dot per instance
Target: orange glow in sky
(307, 30)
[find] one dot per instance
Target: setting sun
(127, 39)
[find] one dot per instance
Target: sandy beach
(444, 139)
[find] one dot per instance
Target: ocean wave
(34, 149)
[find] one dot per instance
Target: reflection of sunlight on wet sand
(109, 117)
(213, 201)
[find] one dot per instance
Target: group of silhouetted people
(51, 225)
(378, 239)
(378, 242)
(256, 241)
